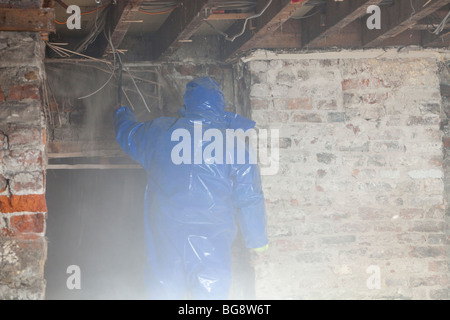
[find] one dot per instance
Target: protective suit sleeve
(249, 199)
(130, 133)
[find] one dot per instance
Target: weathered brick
(438, 266)
(428, 252)
(372, 98)
(326, 158)
(435, 280)
(27, 223)
(440, 294)
(293, 104)
(336, 117)
(22, 92)
(24, 160)
(23, 203)
(2, 95)
(326, 105)
(307, 117)
(352, 84)
(27, 183)
(259, 104)
(20, 137)
(3, 184)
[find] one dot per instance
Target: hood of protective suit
(204, 98)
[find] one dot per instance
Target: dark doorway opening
(95, 223)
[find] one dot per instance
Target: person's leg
(164, 269)
(208, 267)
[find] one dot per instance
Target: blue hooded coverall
(191, 209)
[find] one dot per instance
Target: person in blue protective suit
(192, 208)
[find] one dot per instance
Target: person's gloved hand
(261, 249)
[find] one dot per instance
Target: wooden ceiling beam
(180, 26)
(431, 40)
(338, 14)
(399, 17)
(22, 19)
(276, 14)
(118, 20)
(122, 16)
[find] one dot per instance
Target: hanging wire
(86, 13)
(227, 37)
(115, 53)
(99, 25)
(158, 7)
(442, 25)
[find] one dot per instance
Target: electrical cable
(306, 16)
(85, 13)
(442, 25)
(113, 49)
(99, 25)
(227, 37)
(158, 7)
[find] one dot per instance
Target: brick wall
(22, 167)
(359, 195)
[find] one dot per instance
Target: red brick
(446, 142)
(307, 117)
(23, 203)
(31, 75)
(350, 84)
(28, 91)
(3, 184)
(437, 280)
(293, 104)
(24, 160)
(372, 98)
(257, 104)
(27, 223)
(25, 137)
(27, 183)
(2, 96)
(438, 266)
(300, 103)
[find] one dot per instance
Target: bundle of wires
(158, 7)
(238, 6)
(99, 25)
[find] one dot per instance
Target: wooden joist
(33, 20)
(278, 12)
(399, 17)
(337, 16)
(180, 26)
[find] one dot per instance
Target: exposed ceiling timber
(337, 15)
(431, 40)
(170, 25)
(180, 26)
(118, 20)
(122, 16)
(25, 19)
(278, 12)
(399, 17)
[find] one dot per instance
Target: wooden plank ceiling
(275, 24)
